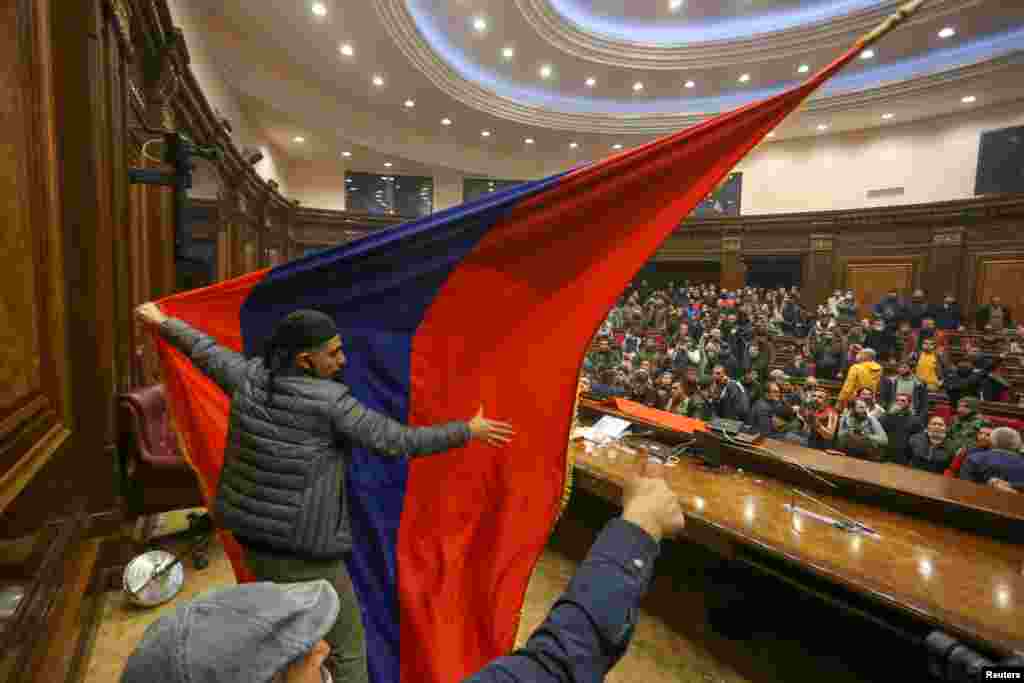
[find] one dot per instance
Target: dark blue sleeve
(589, 628)
(973, 469)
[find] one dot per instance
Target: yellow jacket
(927, 370)
(867, 374)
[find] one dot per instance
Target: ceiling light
(822, 126)
(675, 5)
(616, 146)
(867, 54)
(803, 68)
(378, 80)
(744, 78)
(638, 86)
(969, 99)
(410, 104)
(887, 116)
(299, 139)
(545, 71)
(508, 52)
(346, 154)
(573, 145)
(388, 164)
(690, 84)
(347, 49)
(446, 122)
(319, 9)
(528, 141)
(591, 82)
(947, 32)
(485, 133)
(479, 24)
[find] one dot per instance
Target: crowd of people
(708, 353)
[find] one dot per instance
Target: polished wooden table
(934, 576)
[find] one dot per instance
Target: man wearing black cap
(290, 432)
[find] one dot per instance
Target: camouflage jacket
(964, 430)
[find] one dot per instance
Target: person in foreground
(291, 429)
(273, 633)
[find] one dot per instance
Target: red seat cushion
(151, 425)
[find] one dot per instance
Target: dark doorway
(660, 273)
(774, 271)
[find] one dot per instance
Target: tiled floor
(673, 642)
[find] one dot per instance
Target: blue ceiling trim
(678, 31)
(436, 31)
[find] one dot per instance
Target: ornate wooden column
(946, 256)
(734, 271)
(819, 269)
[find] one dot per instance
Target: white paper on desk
(583, 433)
(610, 427)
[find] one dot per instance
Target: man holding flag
(281, 492)
(441, 577)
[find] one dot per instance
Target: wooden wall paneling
(999, 274)
(871, 279)
(84, 34)
(118, 51)
(36, 410)
(734, 272)
(818, 267)
(945, 265)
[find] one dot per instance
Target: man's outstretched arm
(222, 365)
(589, 628)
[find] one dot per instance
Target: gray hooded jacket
(282, 487)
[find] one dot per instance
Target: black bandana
(301, 330)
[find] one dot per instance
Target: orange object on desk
(659, 417)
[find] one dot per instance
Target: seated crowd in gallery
(705, 352)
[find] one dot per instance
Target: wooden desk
(965, 505)
(929, 575)
(952, 502)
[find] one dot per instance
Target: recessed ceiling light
(446, 122)
(528, 141)
(485, 133)
(378, 80)
(887, 116)
(347, 49)
(744, 78)
(675, 5)
(319, 9)
(410, 104)
(299, 139)
(638, 86)
(573, 145)
(479, 24)
(346, 154)
(388, 164)
(969, 99)
(947, 32)
(508, 52)
(690, 84)
(616, 146)
(867, 54)
(822, 126)
(591, 82)
(545, 71)
(803, 68)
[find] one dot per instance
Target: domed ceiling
(520, 88)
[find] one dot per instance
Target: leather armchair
(155, 476)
